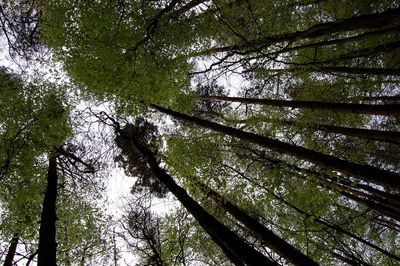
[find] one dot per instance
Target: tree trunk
(383, 98)
(187, 7)
(225, 237)
(369, 21)
(328, 70)
(236, 49)
(320, 221)
(363, 172)
(11, 251)
(370, 134)
(47, 233)
(381, 109)
(382, 48)
(382, 203)
(267, 237)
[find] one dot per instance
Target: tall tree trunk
(381, 109)
(225, 237)
(382, 203)
(362, 172)
(235, 49)
(187, 7)
(267, 237)
(321, 220)
(47, 233)
(370, 134)
(383, 98)
(364, 52)
(328, 70)
(369, 21)
(11, 251)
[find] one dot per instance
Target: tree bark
(327, 70)
(370, 134)
(320, 220)
(267, 237)
(47, 233)
(382, 203)
(369, 21)
(11, 251)
(383, 98)
(363, 172)
(381, 109)
(212, 226)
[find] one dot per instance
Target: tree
(229, 242)
(325, 54)
(375, 175)
(47, 236)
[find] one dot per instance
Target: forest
(249, 132)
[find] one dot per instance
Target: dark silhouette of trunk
(47, 233)
(370, 134)
(383, 203)
(382, 98)
(376, 109)
(389, 211)
(382, 48)
(362, 172)
(327, 70)
(363, 22)
(359, 37)
(231, 256)
(225, 237)
(267, 237)
(31, 257)
(316, 219)
(187, 7)
(339, 41)
(389, 224)
(11, 251)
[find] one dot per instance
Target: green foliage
(135, 53)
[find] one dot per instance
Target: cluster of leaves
(122, 51)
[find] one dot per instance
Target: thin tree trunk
(382, 48)
(369, 21)
(237, 50)
(383, 98)
(387, 136)
(383, 205)
(11, 251)
(267, 237)
(47, 233)
(318, 220)
(327, 70)
(212, 226)
(187, 7)
(362, 172)
(370, 134)
(376, 109)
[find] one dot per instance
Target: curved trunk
(357, 108)
(362, 172)
(225, 237)
(267, 237)
(47, 233)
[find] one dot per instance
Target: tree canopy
(274, 124)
